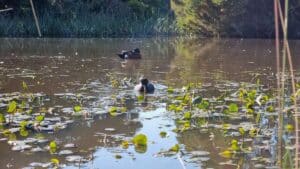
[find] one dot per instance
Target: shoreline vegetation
(144, 18)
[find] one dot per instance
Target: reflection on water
(84, 66)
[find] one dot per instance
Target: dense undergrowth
(133, 18)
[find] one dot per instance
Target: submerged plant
(163, 134)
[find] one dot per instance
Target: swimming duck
(145, 86)
(133, 54)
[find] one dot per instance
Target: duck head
(136, 50)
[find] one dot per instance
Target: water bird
(133, 54)
(144, 86)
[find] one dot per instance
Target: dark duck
(145, 86)
(133, 54)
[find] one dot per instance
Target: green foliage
(77, 108)
(125, 144)
(187, 115)
(24, 86)
(106, 18)
(140, 140)
(170, 90)
(270, 109)
(234, 145)
(140, 98)
(233, 108)
(23, 124)
(242, 131)
(23, 132)
(12, 107)
(39, 118)
(289, 128)
(2, 118)
(226, 154)
(52, 147)
(175, 148)
(253, 132)
(175, 108)
(113, 110)
(204, 105)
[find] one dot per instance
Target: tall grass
(80, 21)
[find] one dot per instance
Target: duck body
(133, 54)
(145, 86)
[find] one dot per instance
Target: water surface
(68, 72)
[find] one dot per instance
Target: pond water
(62, 73)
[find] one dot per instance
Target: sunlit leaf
(289, 128)
(12, 137)
(204, 105)
(23, 132)
(202, 121)
(140, 140)
(187, 125)
(175, 108)
(39, 118)
(125, 144)
(123, 109)
(6, 132)
(234, 145)
(253, 132)
(140, 98)
(12, 106)
(270, 109)
(226, 154)
(226, 126)
(170, 90)
(242, 131)
(23, 124)
(23, 104)
(2, 118)
(77, 108)
(233, 108)
(24, 86)
(187, 115)
(112, 111)
(53, 147)
(175, 148)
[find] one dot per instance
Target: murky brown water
(80, 66)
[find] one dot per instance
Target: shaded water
(68, 72)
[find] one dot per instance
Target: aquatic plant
(140, 140)
(175, 148)
(55, 161)
(163, 134)
(52, 147)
